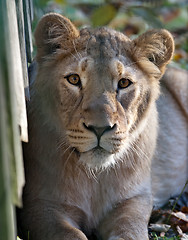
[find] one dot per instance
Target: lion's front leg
(128, 220)
(41, 221)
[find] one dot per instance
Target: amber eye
(124, 83)
(73, 79)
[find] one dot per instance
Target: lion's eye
(73, 79)
(151, 59)
(124, 83)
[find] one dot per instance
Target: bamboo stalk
(12, 115)
(21, 31)
(28, 31)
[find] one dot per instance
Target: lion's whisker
(66, 162)
(78, 54)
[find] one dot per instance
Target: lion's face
(100, 87)
(101, 114)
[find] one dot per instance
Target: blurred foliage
(132, 17)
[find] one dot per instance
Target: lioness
(93, 128)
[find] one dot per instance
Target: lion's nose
(99, 131)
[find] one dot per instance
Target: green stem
(177, 201)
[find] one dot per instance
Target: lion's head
(98, 87)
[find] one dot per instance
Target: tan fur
(170, 163)
(77, 182)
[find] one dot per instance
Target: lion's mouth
(97, 149)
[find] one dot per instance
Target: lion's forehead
(100, 52)
(102, 42)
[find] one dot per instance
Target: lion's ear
(53, 32)
(157, 46)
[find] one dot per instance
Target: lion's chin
(97, 159)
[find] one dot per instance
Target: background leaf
(103, 15)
